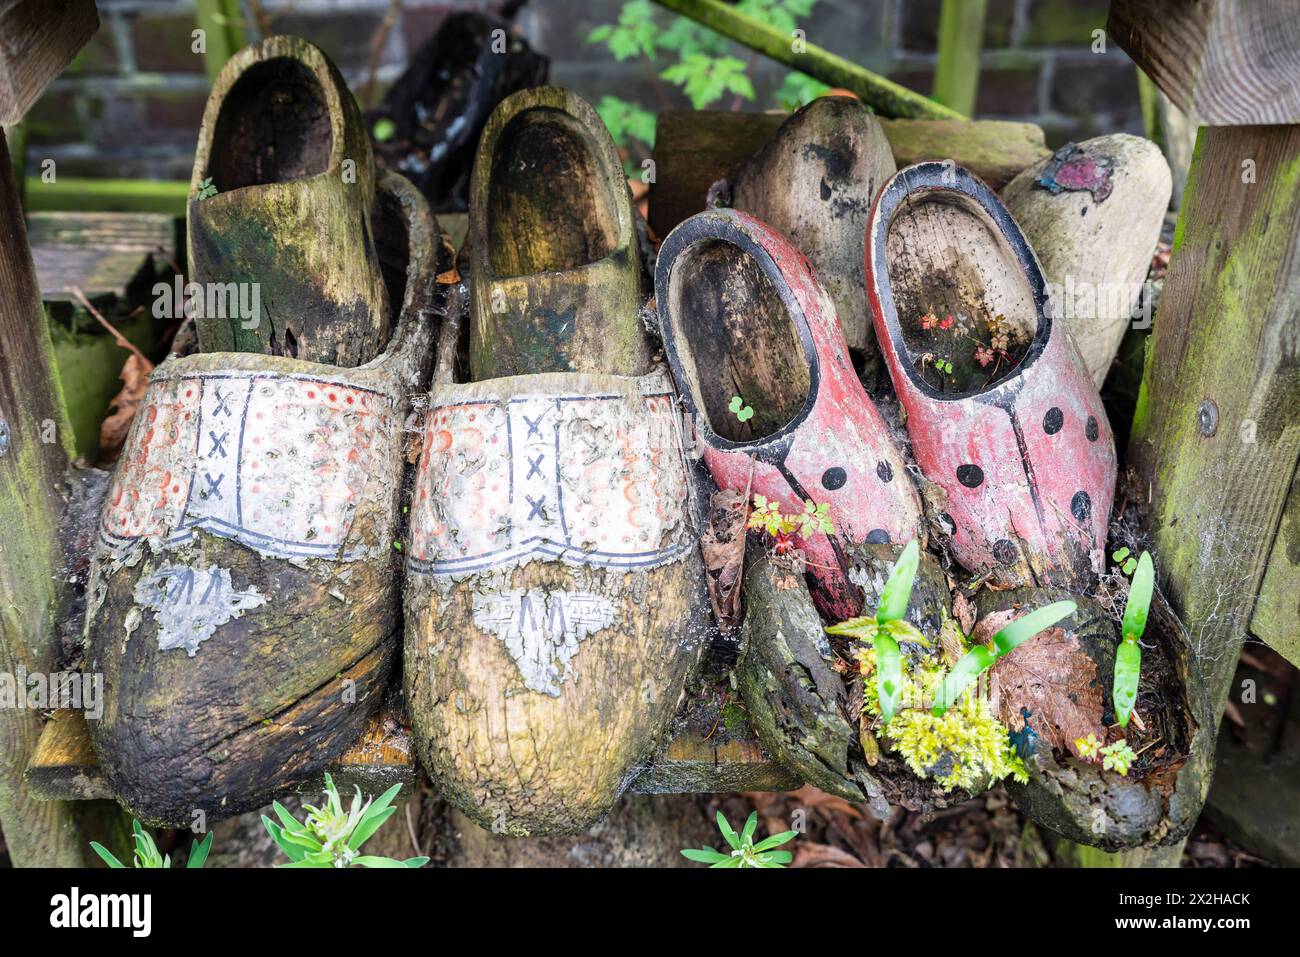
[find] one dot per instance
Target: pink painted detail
(1029, 463)
(547, 474)
(265, 459)
(838, 450)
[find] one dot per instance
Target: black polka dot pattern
(1081, 506)
(877, 536)
(884, 471)
(1053, 421)
(1090, 429)
(834, 478)
(1004, 551)
(972, 476)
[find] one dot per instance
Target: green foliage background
(694, 59)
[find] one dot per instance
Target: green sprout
(741, 411)
(206, 189)
(887, 628)
(147, 854)
(1124, 558)
(980, 658)
(1128, 656)
(332, 837)
(744, 852)
(1118, 757)
(767, 516)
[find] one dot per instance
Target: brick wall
(131, 104)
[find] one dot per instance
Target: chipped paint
(541, 629)
(189, 604)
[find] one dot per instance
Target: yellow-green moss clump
(967, 748)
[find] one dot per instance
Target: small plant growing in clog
(206, 189)
(147, 854)
(332, 837)
(1117, 756)
(1128, 656)
(741, 411)
(981, 658)
(744, 852)
(886, 628)
(957, 741)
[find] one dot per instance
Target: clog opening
(552, 205)
(964, 304)
(274, 126)
(736, 339)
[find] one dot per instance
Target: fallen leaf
(823, 855)
(964, 612)
(448, 278)
(114, 429)
(1052, 679)
(991, 624)
(723, 548)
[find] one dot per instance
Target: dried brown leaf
(823, 855)
(991, 624)
(1055, 681)
(113, 431)
(964, 612)
(723, 548)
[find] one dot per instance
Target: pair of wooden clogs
(247, 598)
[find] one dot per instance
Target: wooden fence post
(1216, 435)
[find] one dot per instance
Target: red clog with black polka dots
(763, 368)
(1001, 411)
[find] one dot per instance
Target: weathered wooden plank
(75, 194)
(1276, 618)
(702, 756)
(102, 254)
(38, 38)
(1216, 434)
(34, 452)
(695, 148)
(1224, 62)
(884, 96)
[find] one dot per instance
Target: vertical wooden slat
(961, 35)
(36, 439)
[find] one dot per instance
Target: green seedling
(887, 628)
(767, 516)
(206, 189)
(332, 837)
(1118, 757)
(147, 854)
(980, 658)
(1124, 558)
(1128, 656)
(744, 852)
(741, 411)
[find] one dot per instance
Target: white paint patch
(189, 604)
(541, 629)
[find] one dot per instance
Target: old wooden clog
(554, 599)
(743, 315)
(1012, 429)
(243, 603)
(280, 202)
(1092, 213)
(814, 183)
(552, 243)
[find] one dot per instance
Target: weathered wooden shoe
(243, 604)
(743, 315)
(552, 243)
(280, 202)
(1092, 213)
(814, 183)
(1000, 409)
(555, 600)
